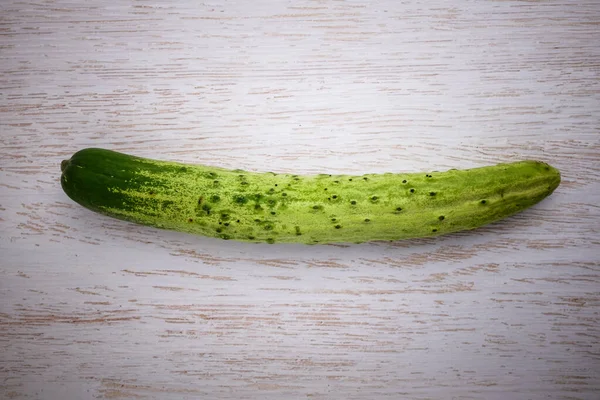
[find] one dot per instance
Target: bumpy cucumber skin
(283, 208)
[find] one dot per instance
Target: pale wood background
(96, 308)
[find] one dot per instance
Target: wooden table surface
(92, 307)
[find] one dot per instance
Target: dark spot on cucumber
(268, 227)
(273, 213)
(206, 209)
(353, 202)
(349, 179)
(432, 193)
(336, 181)
(270, 240)
(412, 190)
(365, 178)
(190, 220)
(151, 192)
(258, 207)
(240, 199)
(374, 198)
(338, 227)
(404, 181)
(441, 218)
(220, 222)
(216, 183)
(226, 224)
(296, 178)
(219, 230)
(329, 198)
(251, 237)
(483, 201)
(211, 175)
(257, 220)
(428, 176)
(237, 221)
(317, 207)
(434, 230)
(398, 209)
(298, 233)
(276, 184)
(200, 200)
(333, 219)
(367, 220)
(284, 194)
(215, 198)
(334, 196)
(325, 189)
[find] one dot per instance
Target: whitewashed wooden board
(97, 308)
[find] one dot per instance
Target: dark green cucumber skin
(285, 208)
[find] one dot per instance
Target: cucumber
(285, 208)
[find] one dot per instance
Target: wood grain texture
(92, 308)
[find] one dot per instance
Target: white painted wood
(97, 308)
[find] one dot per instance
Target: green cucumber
(285, 208)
